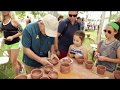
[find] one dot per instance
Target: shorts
(12, 46)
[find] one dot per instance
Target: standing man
(37, 40)
(66, 29)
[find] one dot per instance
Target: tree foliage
(20, 14)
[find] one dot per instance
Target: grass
(8, 73)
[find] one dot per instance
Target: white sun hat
(51, 25)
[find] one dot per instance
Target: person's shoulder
(15, 22)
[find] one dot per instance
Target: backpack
(66, 27)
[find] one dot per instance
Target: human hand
(54, 56)
(58, 53)
(97, 54)
(9, 38)
(101, 58)
(45, 61)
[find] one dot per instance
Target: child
(76, 50)
(108, 51)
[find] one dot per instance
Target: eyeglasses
(70, 15)
(108, 31)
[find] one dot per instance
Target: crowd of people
(61, 36)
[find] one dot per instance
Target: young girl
(76, 50)
(108, 51)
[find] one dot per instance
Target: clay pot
(80, 61)
(66, 61)
(53, 75)
(101, 69)
(116, 74)
(44, 77)
(54, 61)
(65, 68)
(88, 64)
(36, 73)
(21, 76)
(47, 68)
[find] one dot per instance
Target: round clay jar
(101, 69)
(80, 61)
(116, 74)
(21, 76)
(66, 61)
(54, 61)
(53, 75)
(36, 73)
(47, 68)
(88, 64)
(65, 68)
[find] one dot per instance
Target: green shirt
(32, 38)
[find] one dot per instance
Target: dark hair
(78, 18)
(117, 36)
(60, 17)
(81, 35)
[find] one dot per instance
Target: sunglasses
(108, 31)
(70, 15)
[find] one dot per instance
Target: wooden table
(79, 71)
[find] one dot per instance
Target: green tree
(35, 13)
(20, 14)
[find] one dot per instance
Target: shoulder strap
(66, 27)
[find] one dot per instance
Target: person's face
(5, 13)
(109, 32)
(73, 15)
(76, 40)
(42, 27)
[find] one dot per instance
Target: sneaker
(21, 69)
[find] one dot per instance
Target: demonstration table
(78, 71)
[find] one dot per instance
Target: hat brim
(50, 32)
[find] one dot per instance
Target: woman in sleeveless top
(12, 30)
(108, 51)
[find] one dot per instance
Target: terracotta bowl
(80, 61)
(101, 69)
(88, 64)
(53, 75)
(47, 68)
(45, 77)
(36, 73)
(21, 76)
(66, 61)
(54, 61)
(65, 68)
(116, 74)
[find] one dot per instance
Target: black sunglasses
(108, 31)
(70, 15)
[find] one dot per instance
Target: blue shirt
(32, 38)
(67, 38)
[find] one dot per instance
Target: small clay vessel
(116, 74)
(54, 61)
(101, 69)
(53, 75)
(36, 73)
(80, 61)
(47, 68)
(64, 68)
(88, 64)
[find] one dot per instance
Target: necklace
(7, 22)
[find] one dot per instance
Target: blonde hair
(12, 15)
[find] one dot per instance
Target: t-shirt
(32, 38)
(109, 50)
(67, 38)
